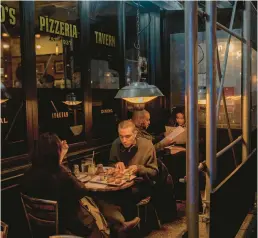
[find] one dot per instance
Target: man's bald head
(141, 119)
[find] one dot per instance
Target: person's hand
(64, 146)
(64, 150)
(120, 166)
(133, 169)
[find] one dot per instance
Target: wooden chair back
(41, 213)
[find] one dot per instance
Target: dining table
(94, 185)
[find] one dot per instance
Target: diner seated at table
(176, 121)
(138, 155)
(49, 179)
(141, 119)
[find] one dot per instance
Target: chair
(41, 213)
(4, 230)
(144, 203)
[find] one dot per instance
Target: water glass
(76, 170)
(91, 169)
(85, 165)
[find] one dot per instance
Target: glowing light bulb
(5, 34)
(57, 49)
(6, 46)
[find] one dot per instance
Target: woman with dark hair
(49, 179)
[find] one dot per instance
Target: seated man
(49, 179)
(138, 154)
(141, 119)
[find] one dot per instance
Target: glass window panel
(104, 45)
(232, 83)
(57, 44)
(104, 71)
(13, 111)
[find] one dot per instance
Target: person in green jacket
(141, 119)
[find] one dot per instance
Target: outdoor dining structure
(128, 119)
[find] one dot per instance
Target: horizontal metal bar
(233, 172)
(222, 27)
(229, 146)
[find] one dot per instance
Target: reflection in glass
(232, 84)
(58, 69)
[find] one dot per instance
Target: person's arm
(163, 143)
(150, 167)
(72, 184)
(113, 157)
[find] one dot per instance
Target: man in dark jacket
(132, 152)
(137, 154)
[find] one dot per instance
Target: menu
(175, 132)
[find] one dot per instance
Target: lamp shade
(139, 92)
(71, 100)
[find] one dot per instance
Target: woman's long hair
(172, 119)
(47, 152)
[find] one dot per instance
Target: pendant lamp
(138, 92)
(71, 100)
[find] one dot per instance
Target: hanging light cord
(138, 36)
(139, 31)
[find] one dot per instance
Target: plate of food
(112, 176)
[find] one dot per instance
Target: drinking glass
(76, 170)
(91, 169)
(84, 165)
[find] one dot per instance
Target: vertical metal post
(191, 38)
(85, 59)
(246, 122)
(28, 64)
(121, 41)
(211, 119)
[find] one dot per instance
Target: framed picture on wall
(40, 67)
(59, 67)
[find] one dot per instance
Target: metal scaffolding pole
(191, 40)
(222, 27)
(211, 122)
(211, 119)
(246, 122)
(225, 108)
(121, 40)
(222, 76)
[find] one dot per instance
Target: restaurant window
(13, 110)
(58, 75)
(232, 83)
(104, 70)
